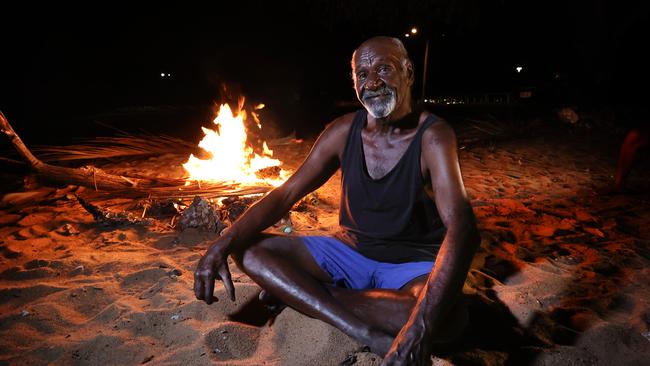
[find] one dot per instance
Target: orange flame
(232, 160)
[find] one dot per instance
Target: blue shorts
(351, 269)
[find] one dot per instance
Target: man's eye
(383, 69)
(361, 75)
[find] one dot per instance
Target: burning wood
(109, 218)
(232, 158)
(158, 209)
(272, 172)
(95, 178)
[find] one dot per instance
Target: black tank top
(390, 219)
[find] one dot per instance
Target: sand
(561, 277)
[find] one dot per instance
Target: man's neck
(397, 119)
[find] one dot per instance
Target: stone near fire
(202, 215)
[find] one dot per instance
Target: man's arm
(444, 286)
(321, 163)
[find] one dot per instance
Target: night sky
(67, 67)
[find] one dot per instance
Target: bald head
(390, 44)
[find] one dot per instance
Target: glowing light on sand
(231, 158)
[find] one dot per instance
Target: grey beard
(377, 108)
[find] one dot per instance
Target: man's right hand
(213, 265)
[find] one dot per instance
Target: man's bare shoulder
(331, 142)
(339, 128)
(439, 132)
(342, 123)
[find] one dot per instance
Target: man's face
(382, 77)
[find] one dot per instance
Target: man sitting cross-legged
(392, 276)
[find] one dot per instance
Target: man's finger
(224, 272)
(198, 286)
(208, 284)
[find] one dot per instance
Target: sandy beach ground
(562, 276)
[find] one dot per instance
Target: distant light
(260, 106)
(414, 30)
(162, 74)
(407, 35)
(519, 68)
(169, 74)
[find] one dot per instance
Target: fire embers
(271, 172)
(233, 207)
(110, 218)
(307, 203)
(158, 209)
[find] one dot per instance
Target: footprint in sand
(105, 349)
(164, 328)
(232, 341)
(16, 297)
(140, 280)
(525, 254)
(39, 263)
(9, 252)
(8, 219)
(18, 273)
(36, 218)
(167, 242)
(84, 302)
(499, 268)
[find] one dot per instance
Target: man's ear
(410, 74)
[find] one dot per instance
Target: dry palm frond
(115, 147)
(212, 190)
(144, 145)
(177, 189)
(96, 178)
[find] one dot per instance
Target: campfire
(240, 163)
(232, 158)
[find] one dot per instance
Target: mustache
(385, 90)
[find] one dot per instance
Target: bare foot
(379, 342)
(272, 303)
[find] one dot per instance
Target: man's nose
(374, 81)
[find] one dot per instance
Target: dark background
(68, 69)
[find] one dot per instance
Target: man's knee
(415, 286)
(262, 246)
